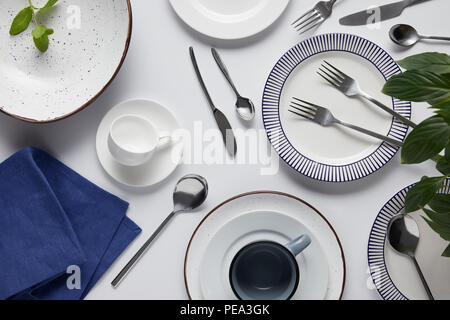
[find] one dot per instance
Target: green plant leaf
(443, 166)
(51, 3)
(446, 252)
(439, 229)
(21, 21)
(40, 37)
(419, 86)
(445, 104)
(427, 140)
(439, 217)
(442, 219)
(447, 153)
(445, 114)
(48, 5)
(443, 109)
(422, 193)
(434, 62)
(440, 203)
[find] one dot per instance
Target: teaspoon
(403, 235)
(406, 36)
(191, 191)
(244, 106)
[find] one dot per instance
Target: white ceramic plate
(332, 154)
(263, 216)
(229, 19)
(161, 164)
(393, 274)
(259, 226)
(82, 59)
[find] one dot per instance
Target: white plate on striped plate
(332, 154)
(394, 275)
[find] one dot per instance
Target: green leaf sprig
(427, 79)
(23, 19)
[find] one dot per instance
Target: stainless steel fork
(325, 118)
(351, 88)
(318, 14)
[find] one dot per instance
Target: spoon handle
(427, 288)
(436, 38)
(140, 252)
(413, 2)
(224, 70)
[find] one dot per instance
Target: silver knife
(378, 14)
(221, 119)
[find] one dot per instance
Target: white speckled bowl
(82, 60)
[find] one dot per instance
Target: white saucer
(262, 226)
(162, 163)
(279, 217)
(230, 19)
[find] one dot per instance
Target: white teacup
(133, 140)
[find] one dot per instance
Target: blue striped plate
(347, 156)
(376, 254)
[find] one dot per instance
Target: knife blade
(377, 14)
(221, 120)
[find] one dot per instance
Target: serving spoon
(190, 192)
(406, 36)
(403, 235)
(244, 106)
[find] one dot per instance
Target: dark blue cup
(267, 270)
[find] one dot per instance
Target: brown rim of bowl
(264, 192)
(127, 45)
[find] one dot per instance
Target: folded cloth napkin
(59, 233)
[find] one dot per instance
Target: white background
(158, 68)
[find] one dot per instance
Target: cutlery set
(350, 88)
(244, 106)
(221, 119)
(403, 35)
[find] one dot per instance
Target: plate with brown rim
(270, 216)
(86, 51)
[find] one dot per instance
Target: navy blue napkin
(56, 228)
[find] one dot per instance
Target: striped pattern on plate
(375, 251)
(271, 107)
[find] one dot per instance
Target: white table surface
(158, 68)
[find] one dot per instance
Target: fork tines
(331, 74)
(303, 108)
(308, 21)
